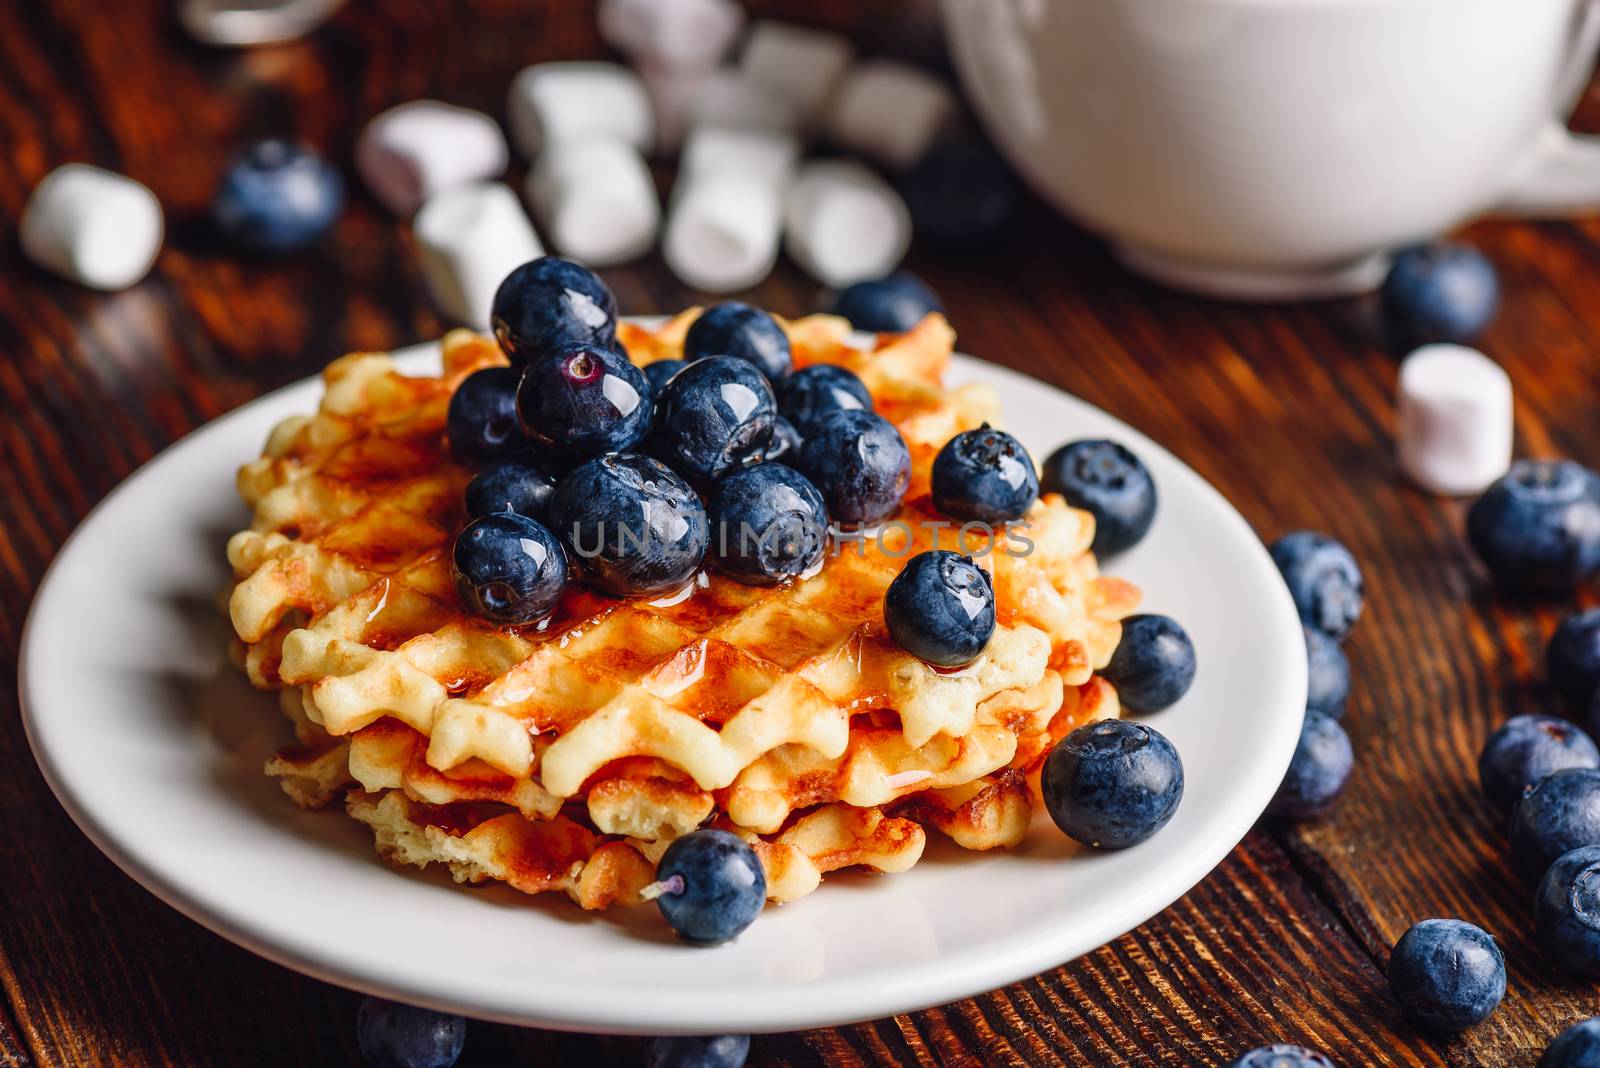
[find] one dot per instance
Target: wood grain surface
(1288, 410)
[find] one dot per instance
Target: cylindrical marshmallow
(92, 226)
(1455, 420)
(763, 155)
(889, 111)
(241, 23)
(595, 199)
(671, 34)
(411, 152)
(722, 230)
(799, 64)
(843, 224)
(551, 102)
(470, 237)
(728, 98)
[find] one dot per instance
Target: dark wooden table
(1288, 410)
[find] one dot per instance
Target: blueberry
(768, 524)
(1566, 910)
(1327, 674)
(1538, 528)
(888, 305)
(1560, 813)
(1447, 974)
(1572, 659)
(785, 443)
(960, 191)
(860, 463)
(1112, 784)
(1281, 1055)
(1440, 292)
(1153, 665)
(1324, 580)
(1106, 480)
(581, 402)
(660, 373)
(711, 1051)
(811, 395)
(517, 483)
(548, 304)
(941, 608)
(712, 886)
(735, 329)
(508, 568)
(1317, 772)
(277, 196)
(1527, 748)
(632, 525)
(1576, 1047)
(392, 1035)
(715, 414)
(984, 475)
(481, 422)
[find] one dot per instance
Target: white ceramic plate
(154, 743)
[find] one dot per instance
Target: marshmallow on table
(1455, 420)
(727, 207)
(671, 34)
(843, 224)
(799, 64)
(729, 98)
(411, 152)
(765, 155)
(240, 23)
(550, 102)
(596, 200)
(470, 237)
(889, 111)
(92, 226)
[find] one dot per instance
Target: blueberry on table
(1566, 910)
(481, 421)
(518, 483)
(715, 414)
(1447, 974)
(768, 524)
(1324, 580)
(984, 475)
(1538, 528)
(710, 886)
(632, 525)
(1527, 748)
(940, 608)
(1572, 659)
(785, 443)
(860, 463)
(660, 373)
(391, 1035)
(1327, 674)
(1440, 292)
(277, 196)
(582, 401)
(1112, 784)
(1576, 1047)
(744, 332)
(1153, 665)
(960, 191)
(1317, 772)
(548, 304)
(1281, 1055)
(508, 569)
(889, 305)
(710, 1051)
(809, 396)
(1560, 813)
(1109, 482)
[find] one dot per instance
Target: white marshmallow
(889, 111)
(596, 200)
(763, 155)
(671, 34)
(470, 237)
(728, 98)
(410, 152)
(843, 224)
(92, 226)
(722, 231)
(551, 102)
(239, 23)
(799, 64)
(1455, 420)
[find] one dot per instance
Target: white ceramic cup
(1278, 149)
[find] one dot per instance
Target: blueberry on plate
(1327, 674)
(889, 305)
(1538, 528)
(809, 396)
(1317, 772)
(1447, 974)
(710, 886)
(710, 1051)
(860, 463)
(741, 331)
(984, 475)
(785, 443)
(1440, 292)
(1560, 813)
(768, 524)
(481, 421)
(391, 1035)
(548, 304)
(1566, 910)
(1112, 784)
(518, 483)
(1324, 580)
(631, 524)
(277, 195)
(1527, 748)
(1572, 659)
(660, 373)
(583, 401)
(940, 608)
(715, 414)
(1153, 665)
(960, 191)
(1281, 1055)
(508, 568)
(1106, 480)
(1576, 1047)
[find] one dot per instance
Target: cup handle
(1562, 174)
